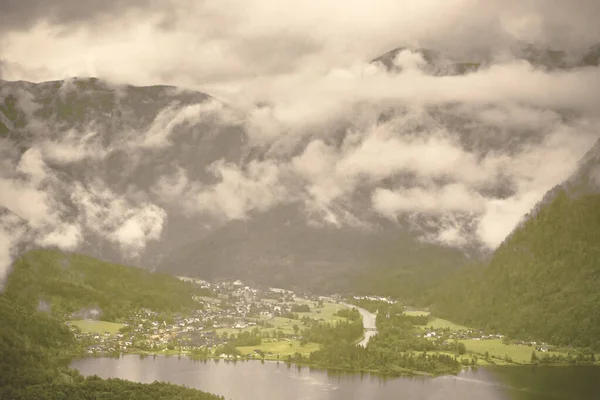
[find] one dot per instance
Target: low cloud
(458, 158)
(447, 199)
(256, 186)
(40, 208)
(116, 218)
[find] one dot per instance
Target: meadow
(93, 326)
(283, 347)
(520, 354)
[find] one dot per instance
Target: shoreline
(399, 373)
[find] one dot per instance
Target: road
(368, 323)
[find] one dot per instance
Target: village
(272, 314)
(233, 308)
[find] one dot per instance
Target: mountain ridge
(156, 163)
(542, 281)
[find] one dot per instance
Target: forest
(395, 350)
(72, 284)
(541, 283)
(30, 343)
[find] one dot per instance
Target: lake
(252, 380)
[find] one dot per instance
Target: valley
(318, 230)
(233, 320)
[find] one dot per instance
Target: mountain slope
(70, 285)
(174, 179)
(543, 282)
(29, 368)
(436, 63)
(281, 248)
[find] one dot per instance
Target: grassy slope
(29, 343)
(436, 323)
(93, 326)
(70, 283)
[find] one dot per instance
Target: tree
(296, 329)
(534, 358)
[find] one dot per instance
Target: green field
(416, 313)
(438, 323)
(92, 326)
(229, 331)
(495, 348)
(286, 325)
(325, 313)
(283, 348)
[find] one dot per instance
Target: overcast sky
(306, 63)
(218, 41)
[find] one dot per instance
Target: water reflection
(249, 380)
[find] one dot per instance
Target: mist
(471, 154)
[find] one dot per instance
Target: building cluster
(232, 307)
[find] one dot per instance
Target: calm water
(252, 380)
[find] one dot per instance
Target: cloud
(255, 186)
(43, 208)
(211, 41)
(176, 116)
(116, 218)
(22, 14)
(447, 199)
(12, 232)
(461, 157)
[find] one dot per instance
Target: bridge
(371, 329)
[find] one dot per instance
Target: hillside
(77, 286)
(45, 287)
(178, 181)
(30, 342)
(543, 282)
(280, 249)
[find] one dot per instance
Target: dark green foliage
(72, 282)
(248, 339)
(542, 283)
(395, 350)
(228, 349)
(367, 304)
(28, 340)
(300, 308)
(29, 368)
(109, 389)
(326, 333)
(351, 313)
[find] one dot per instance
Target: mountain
(178, 181)
(280, 248)
(30, 367)
(76, 286)
(543, 282)
(108, 145)
(437, 63)
(433, 62)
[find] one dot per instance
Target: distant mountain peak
(539, 55)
